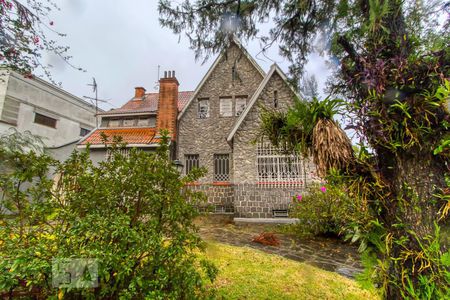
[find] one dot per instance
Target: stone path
(328, 254)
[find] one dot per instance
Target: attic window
(241, 104)
(275, 99)
(203, 108)
(226, 106)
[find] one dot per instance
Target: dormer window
(128, 122)
(114, 123)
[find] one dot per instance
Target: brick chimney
(139, 92)
(167, 103)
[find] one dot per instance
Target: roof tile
(148, 104)
(129, 136)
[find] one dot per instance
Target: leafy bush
(327, 209)
(129, 214)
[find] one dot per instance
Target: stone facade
(253, 201)
(207, 137)
(243, 193)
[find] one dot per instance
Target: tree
(308, 86)
(130, 214)
(25, 34)
(393, 68)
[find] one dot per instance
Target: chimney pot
(173, 73)
(139, 92)
(165, 74)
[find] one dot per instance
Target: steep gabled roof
(147, 104)
(274, 68)
(212, 68)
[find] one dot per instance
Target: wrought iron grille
(191, 162)
(221, 167)
(276, 168)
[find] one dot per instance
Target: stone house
(216, 126)
(218, 129)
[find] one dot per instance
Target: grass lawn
(246, 273)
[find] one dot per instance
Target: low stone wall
(254, 201)
(246, 200)
(220, 197)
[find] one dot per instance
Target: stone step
(238, 221)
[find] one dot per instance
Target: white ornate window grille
(221, 167)
(124, 151)
(278, 169)
(203, 108)
(191, 162)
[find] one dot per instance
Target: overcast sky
(121, 44)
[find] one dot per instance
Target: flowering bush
(327, 209)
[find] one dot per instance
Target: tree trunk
(410, 213)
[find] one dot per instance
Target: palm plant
(310, 129)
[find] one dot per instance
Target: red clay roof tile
(148, 104)
(129, 136)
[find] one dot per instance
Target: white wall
(36, 95)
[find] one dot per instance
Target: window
(241, 104)
(191, 162)
(44, 120)
(114, 123)
(226, 106)
(277, 168)
(128, 122)
(275, 99)
(203, 108)
(146, 121)
(124, 151)
(221, 167)
(84, 131)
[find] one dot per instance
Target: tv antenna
(95, 90)
(157, 79)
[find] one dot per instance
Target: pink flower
(299, 198)
(323, 189)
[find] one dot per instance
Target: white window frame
(241, 105)
(203, 108)
(225, 106)
(275, 168)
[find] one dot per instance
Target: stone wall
(220, 198)
(207, 137)
(254, 201)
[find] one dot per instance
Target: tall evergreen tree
(393, 67)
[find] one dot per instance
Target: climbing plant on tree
(393, 70)
(26, 33)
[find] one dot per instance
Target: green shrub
(327, 209)
(129, 214)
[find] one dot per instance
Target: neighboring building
(43, 109)
(140, 120)
(218, 129)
